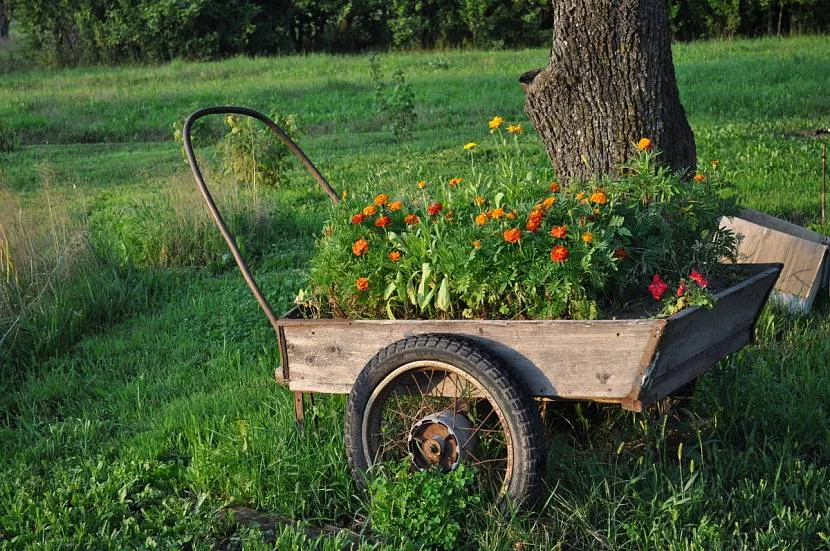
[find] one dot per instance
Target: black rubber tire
(519, 410)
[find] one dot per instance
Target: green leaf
(389, 311)
(389, 290)
(442, 302)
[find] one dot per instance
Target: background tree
(609, 82)
(4, 23)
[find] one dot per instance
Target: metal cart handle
(214, 211)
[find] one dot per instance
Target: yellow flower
(369, 210)
(469, 146)
(587, 237)
(381, 199)
(515, 128)
(599, 198)
(480, 200)
(495, 122)
(395, 205)
(422, 184)
(548, 203)
(714, 163)
(580, 196)
(344, 195)
(497, 213)
(481, 219)
(644, 144)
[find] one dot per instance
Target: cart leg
(299, 409)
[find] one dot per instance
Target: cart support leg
(299, 409)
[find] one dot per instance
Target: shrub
(253, 154)
(395, 102)
(502, 243)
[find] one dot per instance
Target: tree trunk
(4, 23)
(609, 83)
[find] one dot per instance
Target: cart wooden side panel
(695, 338)
(596, 360)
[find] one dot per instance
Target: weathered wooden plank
(555, 358)
(803, 252)
(696, 338)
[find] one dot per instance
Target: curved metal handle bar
(214, 211)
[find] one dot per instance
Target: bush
(395, 102)
(504, 243)
(253, 154)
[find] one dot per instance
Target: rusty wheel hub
(441, 440)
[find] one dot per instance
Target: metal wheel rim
(378, 394)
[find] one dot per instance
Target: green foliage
(8, 141)
(395, 101)
(253, 154)
(420, 508)
(505, 243)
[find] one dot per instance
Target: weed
(253, 154)
(395, 101)
(421, 507)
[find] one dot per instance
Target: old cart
(445, 392)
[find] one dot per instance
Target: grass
(143, 400)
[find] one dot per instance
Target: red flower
(681, 289)
(559, 253)
(657, 287)
(513, 235)
(434, 208)
(698, 278)
(535, 220)
(362, 284)
(383, 221)
(411, 219)
(620, 253)
(394, 256)
(357, 218)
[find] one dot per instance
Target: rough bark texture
(610, 82)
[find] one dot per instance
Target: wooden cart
(440, 393)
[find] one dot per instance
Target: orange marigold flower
(644, 145)
(360, 247)
(495, 122)
(357, 218)
(422, 184)
(515, 128)
(434, 208)
(599, 198)
(559, 232)
(370, 210)
(534, 220)
(511, 215)
(449, 215)
(383, 221)
(411, 219)
(362, 284)
(381, 199)
(580, 196)
(559, 253)
(549, 202)
(620, 253)
(455, 181)
(587, 237)
(512, 235)
(476, 244)
(496, 213)
(554, 187)
(394, 256)
(481, 219)
(699, 177)
(480, 200)
(395, 206)
(532, 226)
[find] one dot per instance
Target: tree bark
(4, 23)
(610, 82)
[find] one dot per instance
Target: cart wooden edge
(630, 362)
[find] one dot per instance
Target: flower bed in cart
(504, 241)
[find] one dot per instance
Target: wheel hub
(441, 440)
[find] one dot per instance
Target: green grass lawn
(141, 400)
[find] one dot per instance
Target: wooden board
(695, 338)
(803, 252)
(554, 358)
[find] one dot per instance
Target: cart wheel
(441, 400)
